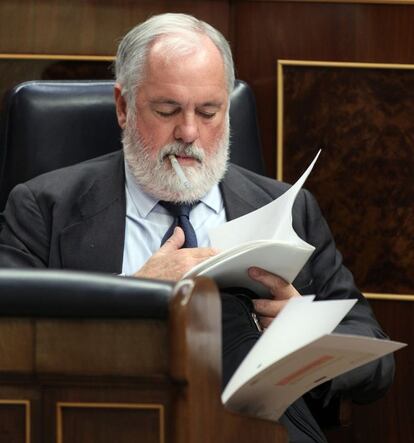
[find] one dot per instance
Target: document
(263, 238)
(296, 353)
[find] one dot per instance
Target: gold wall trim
(389, 297)
(279, 152)
(280, 100)
(337, 64)
(27, 419)
(98, 58)
(103, 405)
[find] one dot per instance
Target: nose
(186, 129)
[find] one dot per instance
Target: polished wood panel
(107, 423)
(20, 410)
(393, 2)
(14, 422)
(101, 347)
(81, 27)
(390, 419)
(393, 415)
(361, 116)
(16, 345)
(88, 27)
(121, 403)
(19, 68)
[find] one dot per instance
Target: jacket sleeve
(332, 280)
(19, 248)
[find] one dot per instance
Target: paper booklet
(263, 238)
(296, 353)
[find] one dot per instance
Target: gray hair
(133, 50)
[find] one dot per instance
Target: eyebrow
(164, 101)
(168, 101)
(212, 104)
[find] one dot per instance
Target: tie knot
(177, 209)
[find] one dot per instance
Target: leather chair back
(76, 294)
(47, 125)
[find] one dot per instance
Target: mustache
(182, 149)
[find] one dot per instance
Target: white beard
(156, 177)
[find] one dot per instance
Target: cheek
(154, 134)
(210, 137)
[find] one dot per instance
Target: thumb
(175, 242)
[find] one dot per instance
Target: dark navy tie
(181, 213)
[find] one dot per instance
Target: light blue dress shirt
(147, 222)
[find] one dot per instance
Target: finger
(279, 288)
(175, 242)
(265, 322)
(268, 308)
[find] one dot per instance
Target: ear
(120, 105)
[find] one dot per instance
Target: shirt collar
(145, 203)
(213, 199)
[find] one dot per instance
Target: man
(174, 75)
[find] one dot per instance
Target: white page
(230, 268)
(274, 247)
(274, 220)
(299, 323)
(273, 390)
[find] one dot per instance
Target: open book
(275, 246)
(296, 353)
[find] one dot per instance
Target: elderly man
(118, 213)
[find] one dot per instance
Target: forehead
(196, 66)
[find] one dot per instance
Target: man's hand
(170, 262)
(280, 290)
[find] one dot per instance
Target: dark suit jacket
(74, 218)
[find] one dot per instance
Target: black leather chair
(70, 294)
(46, 125)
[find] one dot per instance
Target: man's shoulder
(78, 175)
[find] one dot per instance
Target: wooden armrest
(195, 333)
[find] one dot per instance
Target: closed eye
(169, 113)
(206, 115)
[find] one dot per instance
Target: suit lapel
(95, 241)
(241, 195)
